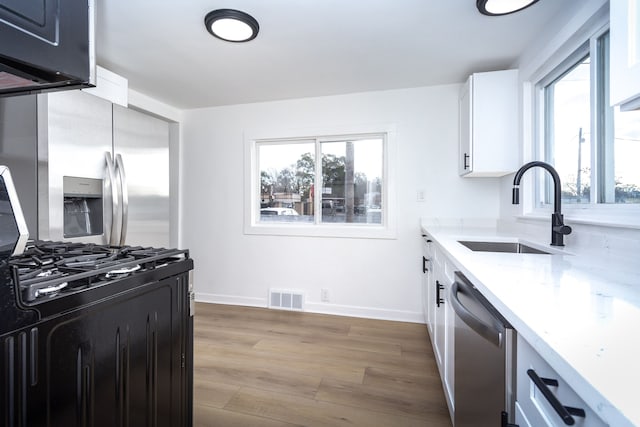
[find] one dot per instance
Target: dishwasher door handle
(491, 333)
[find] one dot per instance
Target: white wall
(366, 277)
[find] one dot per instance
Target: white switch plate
(420, 195)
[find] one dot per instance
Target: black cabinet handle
(424, 265)
(466, 164)
(439, 288)
(564, 412)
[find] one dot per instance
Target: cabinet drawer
(533, 408)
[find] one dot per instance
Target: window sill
(345, 231)
(627, 217)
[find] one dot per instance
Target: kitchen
(383, 280)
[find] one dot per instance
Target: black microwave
(46, 45)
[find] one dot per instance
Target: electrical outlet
(324, 295)
(420, 195)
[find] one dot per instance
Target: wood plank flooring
(258, 367)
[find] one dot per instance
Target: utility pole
(579, 176)
(349, 190)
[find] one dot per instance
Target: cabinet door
(486, 145)
(465, 126)
(625, 52)
(439, 318)
(426, 295)
(449, 342)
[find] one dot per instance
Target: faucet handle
(562, 229)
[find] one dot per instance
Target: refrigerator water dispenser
(83, 207)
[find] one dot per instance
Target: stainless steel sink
(508, 247)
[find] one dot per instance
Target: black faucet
(558, 229)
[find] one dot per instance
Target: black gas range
(95, 335)
(92, 335)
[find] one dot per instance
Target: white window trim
(386, 230)
(612, 215)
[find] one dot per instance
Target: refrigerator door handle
(125, 199)
(111, 223)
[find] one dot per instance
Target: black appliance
(94, 335)
(46, 45)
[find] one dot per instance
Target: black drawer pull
(439, 288)
(564, 412)
(424, 265)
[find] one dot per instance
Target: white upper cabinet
(488, 107)
(625, 53)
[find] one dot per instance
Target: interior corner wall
(378, 278)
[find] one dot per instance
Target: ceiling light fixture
(231, 25)
(502, 7)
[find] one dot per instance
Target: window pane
(352, 181)
(568, 131)
(626, 151)
(286, 179)
(620, 174)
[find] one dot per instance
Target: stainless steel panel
(18, 144)
(483, 365)
(75, 134)
(143, 143)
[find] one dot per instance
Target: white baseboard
(322, 308)
(231, 300)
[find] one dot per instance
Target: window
(592, 146)
(322, 185)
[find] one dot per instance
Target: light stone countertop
(581, 312)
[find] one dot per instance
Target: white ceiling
(307, 47)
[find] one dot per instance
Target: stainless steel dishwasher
(484, 377)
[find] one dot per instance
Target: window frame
(385, 230)
(558, 63)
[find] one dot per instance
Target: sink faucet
(558, 229)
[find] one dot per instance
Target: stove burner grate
(48, 269)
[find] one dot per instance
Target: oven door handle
(125, 199)
(110, 189)
(492, 333)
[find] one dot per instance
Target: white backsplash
(619, 244)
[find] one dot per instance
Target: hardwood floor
(258, 367)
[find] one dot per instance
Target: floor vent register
(286, 299)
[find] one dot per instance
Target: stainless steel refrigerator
(105, 169)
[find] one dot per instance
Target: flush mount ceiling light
(502, 7)
(231, 25)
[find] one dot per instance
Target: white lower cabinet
(540, 388)
(449, 342)
(439, 314)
